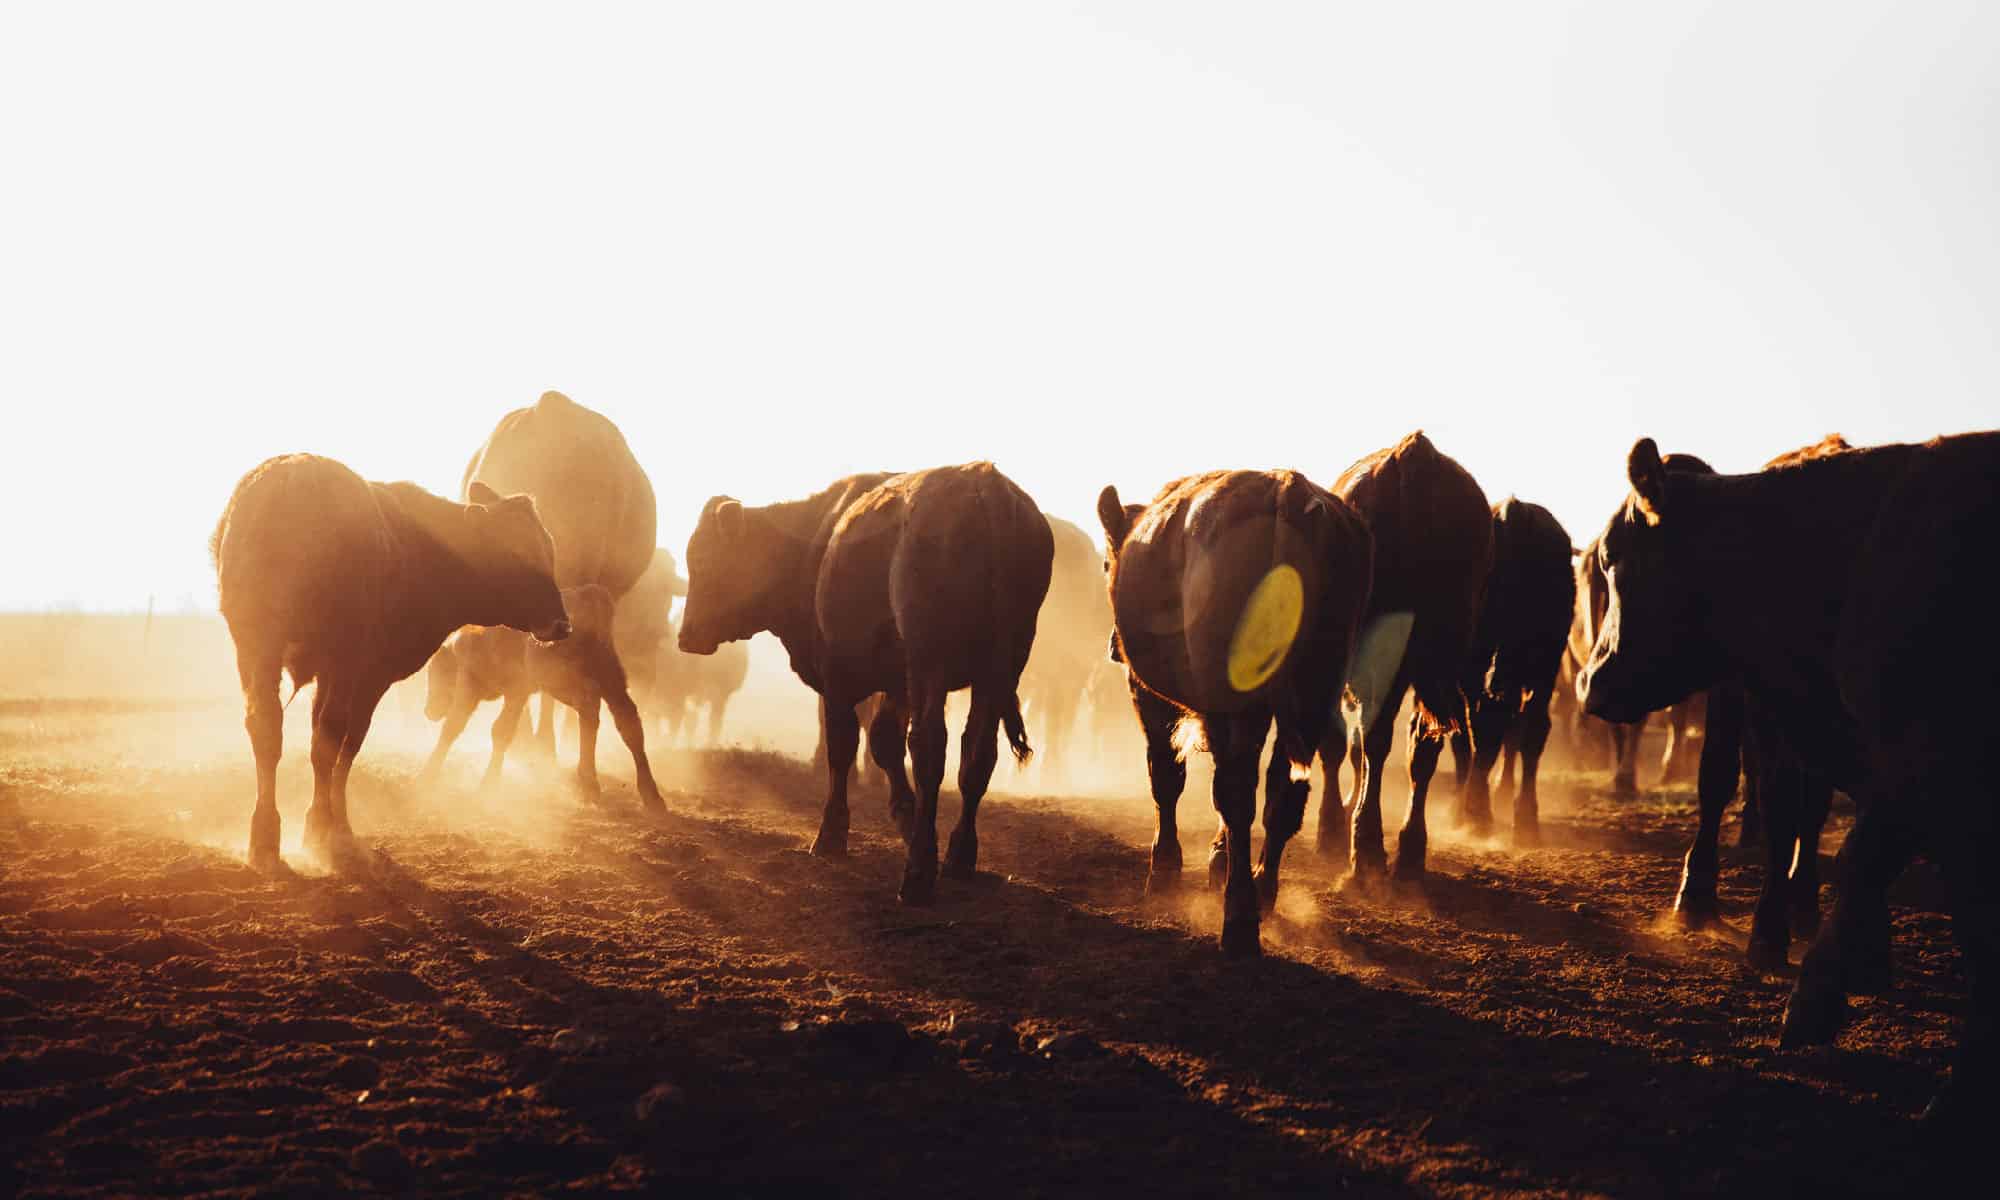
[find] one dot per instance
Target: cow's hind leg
(1970, 865)
(1722, 752)
(329, 723)
(1371, 860)
(978, 754)
(843, 740)
(1335, 835)
(1489, 723)
(264, 721)
(512, 710)
(1816, 801)
(632, 731)
(1412, 843)
(454, 724)
(927, 746)
(1529, 737)
(1285, 793)
(1235, 743)
(361, 705)
(888, 746)
(1770, 925)
(1166, 777)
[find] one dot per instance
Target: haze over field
(1093, 242)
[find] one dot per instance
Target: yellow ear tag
(1265, 631)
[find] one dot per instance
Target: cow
(1070, 636)
(1523, 632)
(1236, 599)
(642, 621)
(480, 663)
(1590, 737)
(1852, 594)
(691, 686)
(1796, 798)
(909, 585)
(589, 488)
(351, 585)
(1433, 535)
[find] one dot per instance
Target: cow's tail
(1017, 733)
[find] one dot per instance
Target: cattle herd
(1828, 618)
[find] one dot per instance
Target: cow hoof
(961, 858)
(1476, 823)
(1696, 910)
(651, 800)
(904, 818)
(1239, 937)
(1805, 921)
(1527, 834)
(1813, 1017)
(919, 888)
(1164, 879)
(1267, 888)
(1366, 876)
(830, 844)
(1409, 870)
(266, 860)
(1766, 954)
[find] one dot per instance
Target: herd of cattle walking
(1826, 619)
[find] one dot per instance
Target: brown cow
(910, 585)
(590, 490)
(1853, 595)
(643, 621)
(691, 686)
(1070, 636)
(1433, 551)
(1185, 571)
(353, 585)
(486, 662)
(1523, 632)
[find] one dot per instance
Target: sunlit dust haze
(1095, 243)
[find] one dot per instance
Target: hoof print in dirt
(380, 1161)
(860, 1047)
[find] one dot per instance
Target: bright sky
(1093, 242)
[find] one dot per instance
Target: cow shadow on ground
(1320, 1050)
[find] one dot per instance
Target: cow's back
(1918, 649)
(303, 555)
(588, 487)
(1189, 565)
(1531, 593)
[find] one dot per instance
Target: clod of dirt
(977, 1038)
(863, 1046)
(379, 1160)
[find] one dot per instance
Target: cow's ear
(1649, 479)
(477, 492)
(729, 519)
(1111, 514)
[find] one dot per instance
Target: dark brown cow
(1517, 654)
(910, 585)
(486, 662)
(1185, 570)
(1595, 740)
(1070, 636)
(1853, 595)
(1433, 551)
(591, 492)
(353, 585)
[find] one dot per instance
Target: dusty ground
(519, 994)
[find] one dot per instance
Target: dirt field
(519, 994)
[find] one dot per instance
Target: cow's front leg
(888, 746)
(1721, 758)
(978, 754)
(512, 710)
(1371, 860)
(1413, 843)
(587, 719)
(329, 723)
(843, 740)
(1851, 953)
(1335, 836)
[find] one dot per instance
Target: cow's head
(441, 683)
(1117, 519)
(518, 559)
(1651, 648)
(732, 563)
